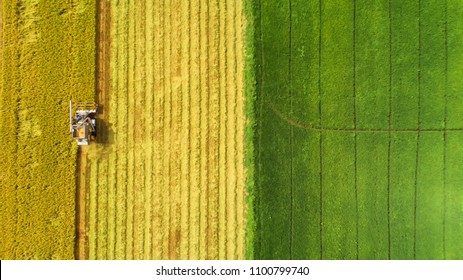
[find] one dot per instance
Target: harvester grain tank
(82, 122)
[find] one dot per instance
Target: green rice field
(358, 144)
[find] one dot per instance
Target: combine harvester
(82, 122)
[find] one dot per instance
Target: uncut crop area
(47, 57)
(166, 180)
(360, 134)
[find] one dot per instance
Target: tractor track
(81, 251)
(102, 87)
(309, 127)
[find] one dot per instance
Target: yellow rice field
(47, 57)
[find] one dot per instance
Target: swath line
(116, 85)
(148, 95)
(139, 123)
(354, 85)
(179, 186)
(235, 124)
(158, 218)
(200, 123)
(241, 119)
(291, 132)
(222, 143)
(178, 163)
(142, 133)
(164, 199)
(207, 149)
(259, 221)
(189, 164)
(132, 107)
(446, 50)
(172, 250)
(419, 126)
(335, 129)
(126, 74)
(217, 129)
(390, 135)
(93, 230)
(227, 124)
(106, 209)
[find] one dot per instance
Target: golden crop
(48, 57)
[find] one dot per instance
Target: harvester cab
(82, 122)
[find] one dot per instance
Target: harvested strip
(174, 162)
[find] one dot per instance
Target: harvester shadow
(104, 140)
(105, 132)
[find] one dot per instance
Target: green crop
(357, 146)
